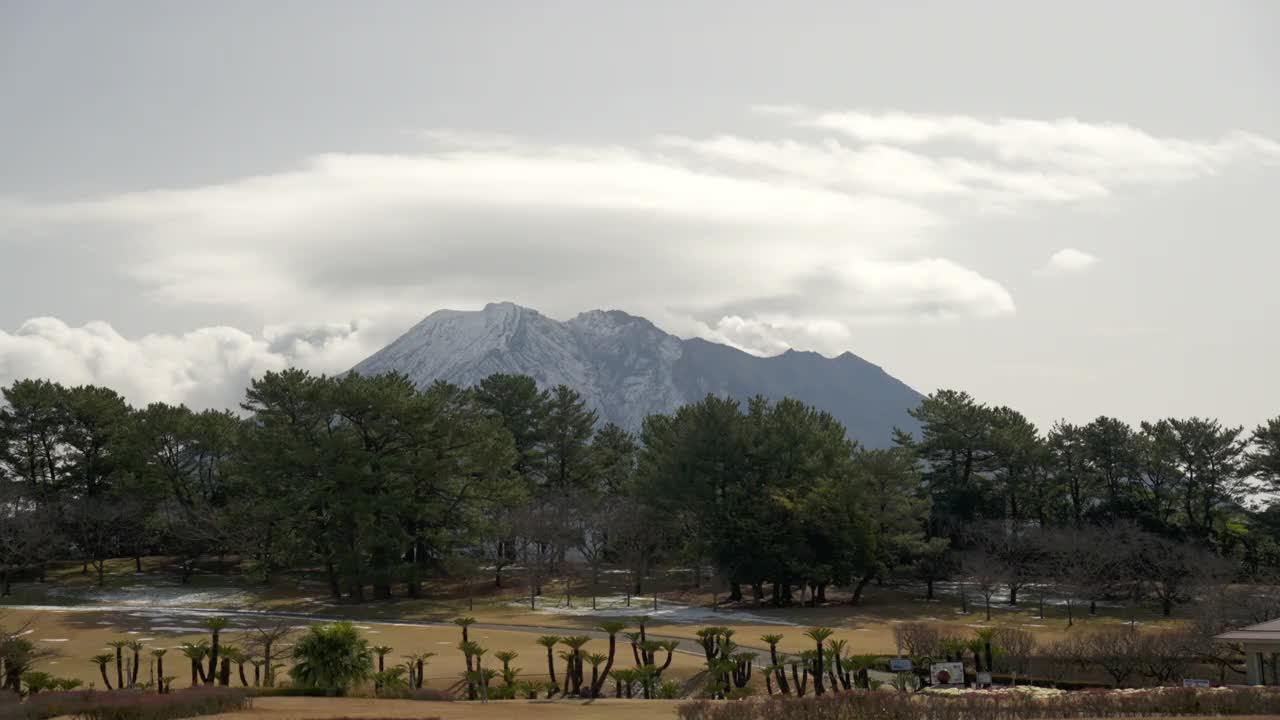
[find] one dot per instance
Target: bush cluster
(127, 705)
(863, 705)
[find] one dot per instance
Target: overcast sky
(1070, 208)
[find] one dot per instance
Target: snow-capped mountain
(626, 368)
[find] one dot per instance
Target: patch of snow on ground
(615, 606)
(160, 596)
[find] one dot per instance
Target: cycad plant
(196, 652)
(987, 636)
(622, 678)
(549, 642)
(573, 664)
(119, 646)
(472, 652)
(482, 678)
(103, 660)
(158, 654)
(233, 654)
(135, 647)
(508, 675)
(779, 666)
(215, 626)
(332, 656)
(819, 635)
(612, 627)
(596, 660)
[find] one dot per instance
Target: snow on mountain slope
(626, 368)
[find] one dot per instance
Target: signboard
(900, 665)
(947, 673)
(984, 679)
(1195, 683)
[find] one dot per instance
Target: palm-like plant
(36, 681)
(975, 647)
(612, 627)
(464, 623)
(819, 635)
(669, 646)
(196, 652)
(239, 657)
(596, 660)
(136, 648)
(622, 678)
(779, 669)
(215, 626)
(769, 673)
(393, 679)
(158, 654)
(505, 657)
(481, 678)
(103, 661)
(332, 656)
(470, 651)
(573, 664)
(381, 651)
(119, 646)
(986, 636)
(421, 663)
(549, 642)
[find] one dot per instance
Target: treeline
(384, 486)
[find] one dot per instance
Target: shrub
(332, 656)
(127, 705)
(428, 694)
(668, 690)
(861, 705)
(918, 639)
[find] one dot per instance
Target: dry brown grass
(87, 633)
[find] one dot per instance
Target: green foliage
(331, 656)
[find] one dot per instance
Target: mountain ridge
(627, 368)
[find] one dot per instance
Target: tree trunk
(103, 669)
(331, 574)
(857, 596)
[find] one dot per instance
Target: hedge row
(127, 705)
(887, 705)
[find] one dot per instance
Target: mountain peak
(626, 368)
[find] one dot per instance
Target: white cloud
(1071, 260)
(1107, 152)
(209, 367)
(787, 241)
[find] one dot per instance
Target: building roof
(1265, 632)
